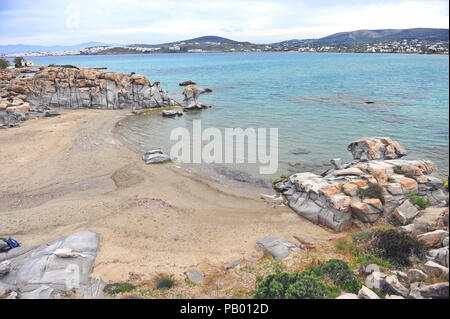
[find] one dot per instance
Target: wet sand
(74, 172)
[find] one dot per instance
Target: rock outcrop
(376, 183)
(71, 87)
(191, 94)
(45, 272)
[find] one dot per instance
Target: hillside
(427, 34)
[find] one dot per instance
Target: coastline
(77, 173)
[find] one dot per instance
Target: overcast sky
(155, 21)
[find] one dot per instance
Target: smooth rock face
(374, 148)
(156, 158)
(395, 286)
(366, 293)
(436, 291)
(62, 264)
(278, 248)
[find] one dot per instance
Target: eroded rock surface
(373, 185)
(44, 272)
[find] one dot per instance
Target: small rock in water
(300, 151)
(186, 83)
(172, 113)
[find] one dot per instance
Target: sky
(66, 22)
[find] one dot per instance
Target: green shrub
(4, 63)
(373, 190)
(341, 274)
(419, 201)
(17, 61)
(397, 246)
(295, 285)
(164, 281)
(117, 288)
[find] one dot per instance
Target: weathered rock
(194, 276)
(432, 218)
(395, 286)
(406, 212)
(156, 158)
(434, 268)
(440, 255)
(415, 275)
(373, 148)
(370, 268)
(366, 293)
(376, 280)
(400, 274)
(233, 264)
(306, 240)
(191, 94)
(90, 88)
(435, 291)
(276, 247)
(172, 113)
(186, 83)
(434, 238)
(62, 264)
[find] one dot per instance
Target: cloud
(151, 21)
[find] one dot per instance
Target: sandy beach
(74, 172)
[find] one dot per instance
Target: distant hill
(385, 35)
(23, 48)
(204, 39)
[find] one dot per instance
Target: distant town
(404, 41)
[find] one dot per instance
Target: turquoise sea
(316, 100)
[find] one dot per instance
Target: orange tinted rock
(408, 183)
(360, 183)
(341, 202)
(350, 189)
(375, 202)
(330, 190)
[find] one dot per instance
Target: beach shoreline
(75, 172)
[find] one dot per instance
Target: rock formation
(47, 271)
(191, 94)
(83, 88)
(377, 183)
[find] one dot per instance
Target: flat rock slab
(278, 248)
(60, 265)
(194, 276)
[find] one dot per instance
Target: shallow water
(317, 101)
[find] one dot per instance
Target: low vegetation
(319, 281)
(117, 288)
(373, 190)
(385, 246)
(164, 281)
(4, 63)
(419, 201)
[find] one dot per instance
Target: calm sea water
(317, 101)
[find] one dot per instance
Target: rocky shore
(214, 241)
